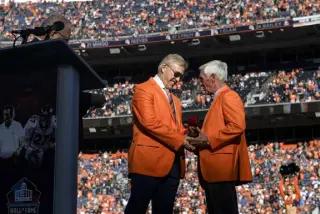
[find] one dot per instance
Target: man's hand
(192, 131)
(188, 146)
(200, 142)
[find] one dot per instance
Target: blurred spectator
(109, 19)
(290, 193)
(294, 86)
(103, 186)
(297, 85)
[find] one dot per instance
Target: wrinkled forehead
(202, 75)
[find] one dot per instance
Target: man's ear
(162, 67)
(213, 78)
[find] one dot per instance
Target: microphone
(41, 31)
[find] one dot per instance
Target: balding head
(65, 33)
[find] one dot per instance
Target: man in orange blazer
(223, 155)
(156, 155)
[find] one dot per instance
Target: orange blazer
(227, 159)
(156, 136)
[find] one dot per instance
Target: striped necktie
(171, 103)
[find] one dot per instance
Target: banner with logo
(179, 36)
(306, 21)
(242, 29)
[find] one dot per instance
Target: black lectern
(64, 74)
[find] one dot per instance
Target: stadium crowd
(296, 85)
(109, 19)
(103, 186)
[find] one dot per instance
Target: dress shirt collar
(159, 82)
(217, 92)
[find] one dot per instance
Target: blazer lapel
(163, 96)
(224, 88)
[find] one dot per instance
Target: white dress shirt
(9, 138)
(161, 85)
(164, 90)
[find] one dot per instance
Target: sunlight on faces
(172, 74)
(290, 190)
(208, 83)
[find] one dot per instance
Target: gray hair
(217, 67)
(173, 58)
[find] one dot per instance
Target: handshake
(195, 139)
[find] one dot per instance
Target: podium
(55, 70)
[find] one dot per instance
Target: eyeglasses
(176, 74)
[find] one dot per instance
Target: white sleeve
(19, 130)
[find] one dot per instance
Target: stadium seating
(103, 183)
(294, 86)
(297, 85)
(109, 19)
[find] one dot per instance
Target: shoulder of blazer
(229, 90)
(224, 92)
(145, 85)
(232, 93)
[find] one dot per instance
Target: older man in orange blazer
(156, 156)
(223, 155)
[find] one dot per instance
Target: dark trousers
(221, 198)
(160, 191)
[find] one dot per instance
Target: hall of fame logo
(23, 198)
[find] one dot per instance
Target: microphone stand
(47, 36)
(24, 37)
